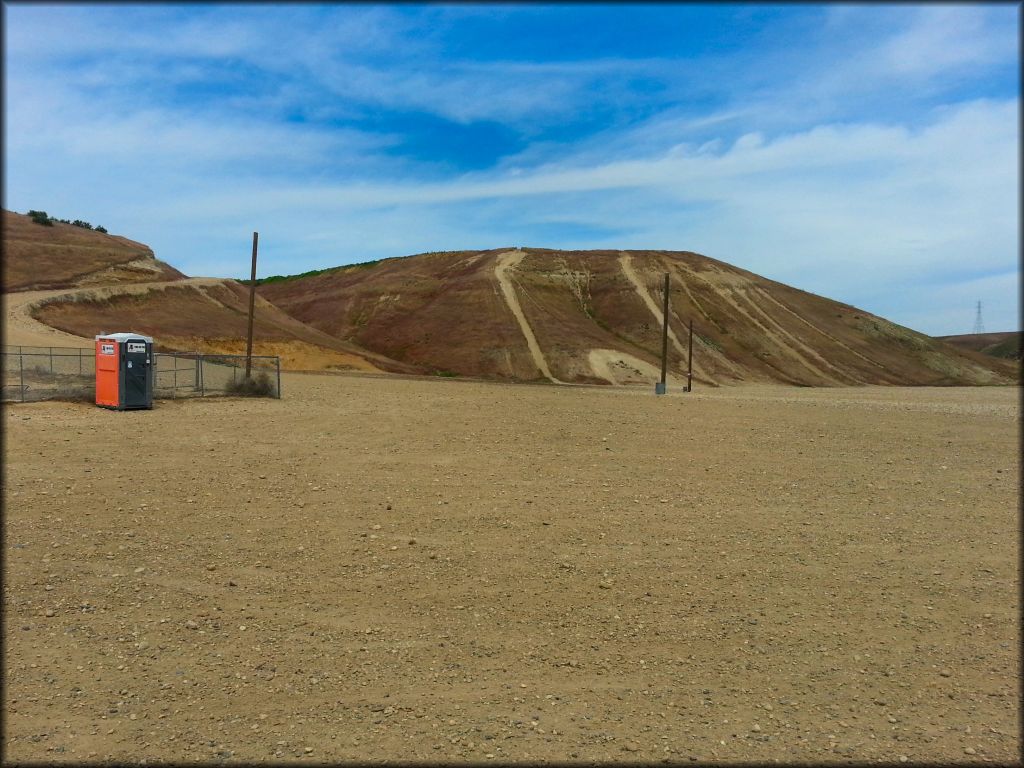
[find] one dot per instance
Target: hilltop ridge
(513, 314)
(537, 314)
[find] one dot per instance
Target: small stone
(49, 612)
(232, 583)
(756, 728)
(903, 758)
(946, 672)
(191, 624)
(307, 750)
(970, 751)
(211, 567)
(631, 747)
(140, 569)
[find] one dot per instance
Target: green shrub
(40, 217)
(258, 385)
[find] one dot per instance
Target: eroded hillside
(65, 256)
(595, 316)
(205, 315)
(64, 284)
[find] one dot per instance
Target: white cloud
(890, 213)
(945, 38)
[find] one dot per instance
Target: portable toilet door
(124, 371)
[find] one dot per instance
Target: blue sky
(870, 154)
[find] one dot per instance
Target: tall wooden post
(252, 306)
(660, 389)
(689, 362)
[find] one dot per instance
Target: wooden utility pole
(252, 306)
(689, 362)
(660, 389)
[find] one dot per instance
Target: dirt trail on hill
(508, 261)
(626, 261)
(21, 329)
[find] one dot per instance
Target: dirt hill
(1005, 344)
(64, 284)
(594, 316)
(38, 257)
(206, 315)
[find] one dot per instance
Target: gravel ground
(391, 569)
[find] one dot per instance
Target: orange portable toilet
(124, 371)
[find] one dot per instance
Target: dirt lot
(389, 569)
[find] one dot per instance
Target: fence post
(202, 382)
(278, 363)
(21, 372)
(51, 360)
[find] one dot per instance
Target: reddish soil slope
(1006, 344)
(64, 256)
(84, 282)
(207, 315)
(595, 317)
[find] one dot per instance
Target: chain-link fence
(49, 373)
(45, 373)
(183, 374)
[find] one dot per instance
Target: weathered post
(689, 362)
(660, 388)
(252, 306)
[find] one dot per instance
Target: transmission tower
(979, 326)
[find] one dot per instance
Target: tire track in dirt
(827, 335)
(508, 261)
(626, 262)
(840, 377)
(727, 291)
(795, 354)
